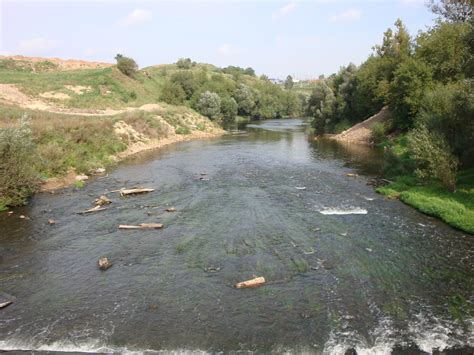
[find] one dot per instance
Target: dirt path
(10, 94)
(361, 133)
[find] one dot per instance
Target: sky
(277, 38)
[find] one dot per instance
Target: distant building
(276, 81)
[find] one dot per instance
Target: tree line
(427, 83)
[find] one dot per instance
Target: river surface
(345, 267)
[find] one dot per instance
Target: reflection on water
(387, 279)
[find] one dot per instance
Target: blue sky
(302, 38)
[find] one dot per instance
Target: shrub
(411, 79)
(379, 132)
(126, 65)
(184, 63)
(18, 178)
(245, 98)
(229, 109)
(433, 156)
(210, 105)
(187, 82)
(173, 93)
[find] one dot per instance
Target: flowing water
(345, 268)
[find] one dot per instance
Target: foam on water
(339, 211)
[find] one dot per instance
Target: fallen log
(142, 226)
(125, 192)
(93, 209)
(258, 281)
(6, 299)
(170, 209)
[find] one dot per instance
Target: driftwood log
(258, 281)
(142, 226)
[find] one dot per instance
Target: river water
(345, 268)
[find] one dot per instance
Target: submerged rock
(102, 200)
(104, 263)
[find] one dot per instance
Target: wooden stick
(142, 226)
(258, 281)
(94, 209)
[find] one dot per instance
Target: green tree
(444, 48)
(126, 65)
(229, 108)
(17, 164)
(209, 105)
(184, 63)
(173, 93)
(187, 82)
(289, 82)
(412, 79)
(246, 100)
(433, 156)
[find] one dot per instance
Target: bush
(126, 65)
(18, 178)
(184, 63)
(229, 109)
(245, 98)
(412, 79)
(433, 156)
(210, 105)
(379, 132)
(173, 93)
(187, 82)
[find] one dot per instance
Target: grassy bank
(65, 143)
(454, 208)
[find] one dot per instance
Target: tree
(187, 82)
(17, 164)
(412, 78)
(246, 100)
(289, 82)
(229, 108)
(184, 63)
(209, 105)
(444, 48)
(452, 10)
(173, 93)
(126, 65)
(249, 71)
(433, 156)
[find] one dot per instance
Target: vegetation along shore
(413, 97)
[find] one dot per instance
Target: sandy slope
(361, 133)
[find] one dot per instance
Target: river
(345, 267)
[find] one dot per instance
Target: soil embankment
(361, 133)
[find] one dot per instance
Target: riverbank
(66, 147)
(454, 208)
(56, 183)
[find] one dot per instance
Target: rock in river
(104, 263)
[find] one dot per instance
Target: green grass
(454, 208)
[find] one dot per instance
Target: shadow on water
(367, 273)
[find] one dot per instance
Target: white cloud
(284, 10)
(136, 17)
(347, 16)
(37, 45)
(227, 49)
